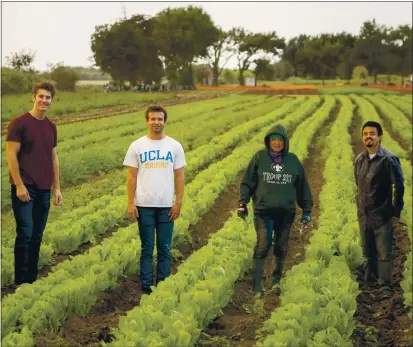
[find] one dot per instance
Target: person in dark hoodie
(376, 170)
(276, 181)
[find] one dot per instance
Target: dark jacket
(374, 179)
(276, 188)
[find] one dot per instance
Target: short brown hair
(156, 108)
(46, 86)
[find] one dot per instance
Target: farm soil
(239, 323)
(382, 320)
(90, 329)
(118, 110)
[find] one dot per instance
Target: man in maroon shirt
(34, 170)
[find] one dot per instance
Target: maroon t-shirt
(37, 138)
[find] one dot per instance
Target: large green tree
(283, 70)
(263, 70)
(371, 49)
(400, 41)
(320, 56)
(248, 47)
(183, 34)
(218, 54)
(346, 63)
(127, 50)
(290, 54)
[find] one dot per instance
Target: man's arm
(396, 174)
(131, 189)
(12, 149)
(58, 199)
(179, 185)
(179, 191)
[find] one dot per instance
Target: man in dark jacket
(376, 170)
(276, 180)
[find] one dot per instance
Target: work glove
(242, 211)
(305, 220)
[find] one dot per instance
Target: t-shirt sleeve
(132, 157)
(14, 132)
(179, 157)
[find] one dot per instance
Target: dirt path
(238, 325)
(118, 110)
(381, 321)
(89, 330)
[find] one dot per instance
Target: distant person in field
(276, 180)
(34, 172)
(376, 171)
(155, 174)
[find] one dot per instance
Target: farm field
(84, 105)
(88, 291)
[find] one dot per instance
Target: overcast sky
(60, 31)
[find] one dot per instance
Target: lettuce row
(179, 307)
(406, 217)
(73, 285)
(204, 283)
(83, 224)
(319, 295)
(399, 103)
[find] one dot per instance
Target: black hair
(373, 124)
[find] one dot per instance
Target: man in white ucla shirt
(155, 174)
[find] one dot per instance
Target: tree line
(173, 42)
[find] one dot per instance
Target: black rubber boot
(276, 275)
(385, 270)
(278, 270)
(257, 273)
(371, 271)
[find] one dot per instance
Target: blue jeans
(151, 219)
(31, 218)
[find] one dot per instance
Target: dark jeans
(153, 219)
(377, 248)
(280, 223)
(31, 218)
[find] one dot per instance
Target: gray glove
(242, 211)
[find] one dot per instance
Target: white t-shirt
(156, 161)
